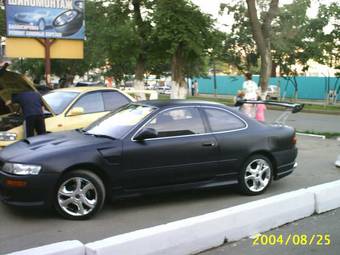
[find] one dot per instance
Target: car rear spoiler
(294, 106)
(290, 108)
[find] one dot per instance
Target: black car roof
(178, 102)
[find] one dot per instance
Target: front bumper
(38, 190)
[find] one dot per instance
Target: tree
(239, 45)
(183, 34)
(325, 31)
(262, 36)
(292, 44)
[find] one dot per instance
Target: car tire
(256, 175)
(79, 195)
(70, 27)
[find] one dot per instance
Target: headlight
(4, 136)
(21, 169)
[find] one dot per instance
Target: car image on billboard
(47, 19)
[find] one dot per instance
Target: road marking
(312, 135)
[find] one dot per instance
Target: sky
(213, 6)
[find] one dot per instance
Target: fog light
(15, 183)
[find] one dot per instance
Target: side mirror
(146, 133)
(76, 111)
(47, 114)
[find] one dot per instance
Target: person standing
(250, 89)
(192, 88)
(32, 105)
(196, 88)
(260, 110)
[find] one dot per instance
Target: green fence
(308, 87)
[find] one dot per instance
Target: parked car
(89, 84)
(164, 90)
(146, 147)
(273, 92)
(67, 108)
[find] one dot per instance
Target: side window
(91, 103)
(220, 120)
(177, 122)
(114, 100)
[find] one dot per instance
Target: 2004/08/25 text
(292, 239)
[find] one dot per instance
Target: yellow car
(66, 109)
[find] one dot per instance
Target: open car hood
(12, 83)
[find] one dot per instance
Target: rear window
(220, 120)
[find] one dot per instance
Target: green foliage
(290, 35)
(326, 45)
(183, 31)
(296, 38)
(239, 45)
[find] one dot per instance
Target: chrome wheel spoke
(81, 210)
(66, 193)
(87, 187)
(78, 187)
(257, 175)
(250, 177)
(65, 203)
(89, 203)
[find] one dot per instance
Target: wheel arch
(269, 156)
(105, 178)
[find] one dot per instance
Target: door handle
(208, 144)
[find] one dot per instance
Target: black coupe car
(145, 147)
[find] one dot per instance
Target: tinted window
(91, 103)
(185, 121)
(220, 120)
(114, 100)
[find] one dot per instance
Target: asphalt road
(23, 229)
(325, 228)
(309, 121)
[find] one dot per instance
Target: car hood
(33, 148)
(12, 83)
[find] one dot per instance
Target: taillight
(294, 139)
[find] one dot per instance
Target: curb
(323, 137)
(200, 233)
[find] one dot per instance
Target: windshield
(59, 100)
(120, 122)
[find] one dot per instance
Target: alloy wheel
(77, 196)
(257, 175)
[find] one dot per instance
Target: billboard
(31, 48)
(45, 18)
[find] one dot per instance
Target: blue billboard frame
(55, 19)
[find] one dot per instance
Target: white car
(273, 92)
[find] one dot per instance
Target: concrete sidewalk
(323, 227)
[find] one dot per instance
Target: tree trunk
(261, 35)
(273, 73)
(138, 83)
(140, 66)
(179, 89)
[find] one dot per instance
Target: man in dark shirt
(32, 107)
